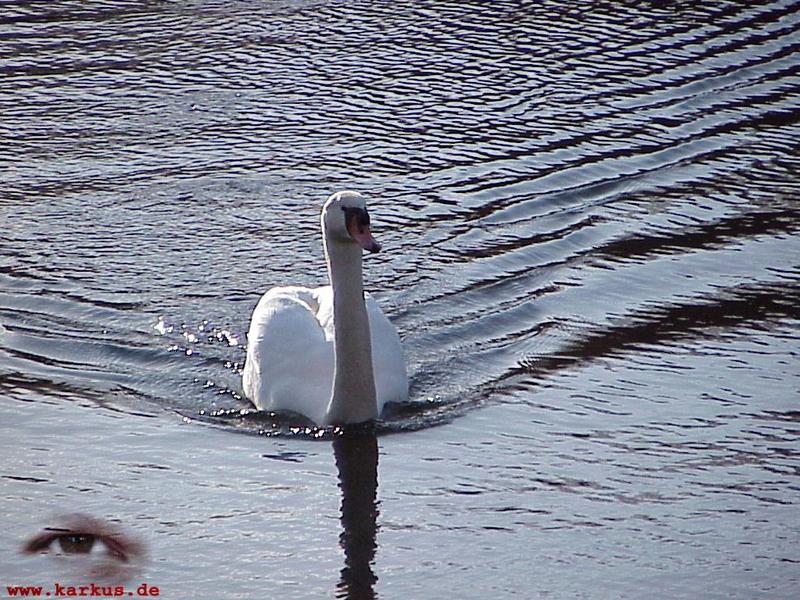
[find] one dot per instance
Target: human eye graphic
(100, 542)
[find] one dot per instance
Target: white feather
(290, 354)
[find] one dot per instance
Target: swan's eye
(358, 217)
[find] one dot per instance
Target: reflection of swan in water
(357, 461)
(327, 353)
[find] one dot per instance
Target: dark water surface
(589, 213)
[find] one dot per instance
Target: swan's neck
(353, 394)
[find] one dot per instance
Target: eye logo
(108, 550)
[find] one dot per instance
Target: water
(589, 217)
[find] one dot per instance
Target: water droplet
(162, 328)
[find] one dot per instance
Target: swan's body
(328, 353)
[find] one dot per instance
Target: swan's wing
(388, 363)
(289, 363)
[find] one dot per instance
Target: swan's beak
(358, 228)
(365, 240)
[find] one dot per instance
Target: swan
(328, 353)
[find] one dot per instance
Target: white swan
(328, 353)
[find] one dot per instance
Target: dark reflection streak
(732, 47)
(357, 462)
(773, 117)
(32, 357)
(735, 28)
(630, 152)
(82, 68)
(74, 14)
(18, 386)
(675, 37)
(58, 188)
(712, 235)
(754, 306)
(500, 248)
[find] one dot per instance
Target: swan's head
(345, 219)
